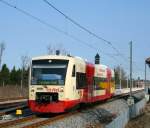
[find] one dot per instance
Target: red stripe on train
(54, 107)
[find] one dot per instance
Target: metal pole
(130, 99)
(2, 48)
(131, 68)
(138, 85)
(120, 76)
(127, 82)
(145, 79)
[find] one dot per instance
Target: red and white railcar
(58, 83)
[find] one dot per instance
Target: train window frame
(74, 71)
(46, 63)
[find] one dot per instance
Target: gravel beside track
(95, 117)
(51, 120)
(91, 117)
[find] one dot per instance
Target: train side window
(80, 80)
(112, 79)
(74, 71)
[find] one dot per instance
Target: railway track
(8, 108)
(50, 120)
(16, 121)
(9, 105)
(12, 109)
(11, 99)
(34, 121)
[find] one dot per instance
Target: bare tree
(25, 62)
(120, 77)
(119, 70)
(2, 48)
(51, 50)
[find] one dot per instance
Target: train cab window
(74, 71)
(80, 80)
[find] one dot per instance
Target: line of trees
(14, 76)
(123, 76)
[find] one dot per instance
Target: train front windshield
(49, 72)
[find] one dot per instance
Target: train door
(108, 89)
(90, 84)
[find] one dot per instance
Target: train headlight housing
(61, 89)
(32, 90)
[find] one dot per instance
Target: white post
(3, 84)
(120, 76)
(127, 82)
(145, 87)
(131, 69)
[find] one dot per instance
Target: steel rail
(50, 120)
(13, 109)
(9, 99)
(17, 121)
(56, 118)
(9, 105)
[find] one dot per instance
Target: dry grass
(12, 91)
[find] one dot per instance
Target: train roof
(51, 57)
(67, 57)
(102, 66)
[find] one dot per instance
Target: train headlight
(61, 89)
(32, 90)
(50, 61)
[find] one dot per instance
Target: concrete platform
(127, 90)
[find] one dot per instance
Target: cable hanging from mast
(56, 28)
(84, 28)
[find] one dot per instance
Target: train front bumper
(54, 107)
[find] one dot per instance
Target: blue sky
(118, 21)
